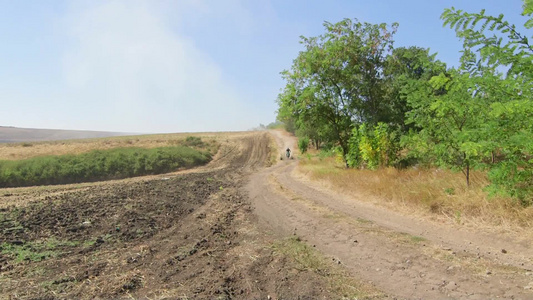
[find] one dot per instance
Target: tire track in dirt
(406, 258)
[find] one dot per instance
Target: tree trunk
(467, 174)
(345, 151)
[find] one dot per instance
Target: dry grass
(273, 147)
(436, 193)
(337, 279)
(16, 151)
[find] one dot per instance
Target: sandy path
(405, 257)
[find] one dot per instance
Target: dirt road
(405, 257)
(219, 232)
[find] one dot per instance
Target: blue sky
(183, 65)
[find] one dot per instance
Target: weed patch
(99, 165)
(310, 260)
(35, 251)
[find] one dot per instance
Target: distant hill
(18, 135)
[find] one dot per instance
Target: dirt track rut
(406, 258)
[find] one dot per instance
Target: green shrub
(193, 141)
(99, 165)
(303, 144)
(374, 146)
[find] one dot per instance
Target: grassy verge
(100, 165)
(338, 280)
(435, 192)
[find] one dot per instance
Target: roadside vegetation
(107, 164)
(338, 280)
(421, 191)
(408, 128)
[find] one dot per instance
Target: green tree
(448, 114)
(403, 69)
(508, 130)
(337, 81)
(481, 113)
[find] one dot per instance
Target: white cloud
(126, 69)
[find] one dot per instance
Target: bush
(193, 141)
(99, 165)
(374, 147)
(303, 144)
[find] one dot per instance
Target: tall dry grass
(17, 151)
(432, 192)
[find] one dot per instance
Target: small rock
(268, 297)
(528, 287)
(451, 286)
(450, 268)
(378, 269)
(489, 272)
(504, 251)
(355, 241)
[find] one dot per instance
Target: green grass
(35, 251)
(40, 250)
(308, 259)
(100, 165)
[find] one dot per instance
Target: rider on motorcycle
(288, 153)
